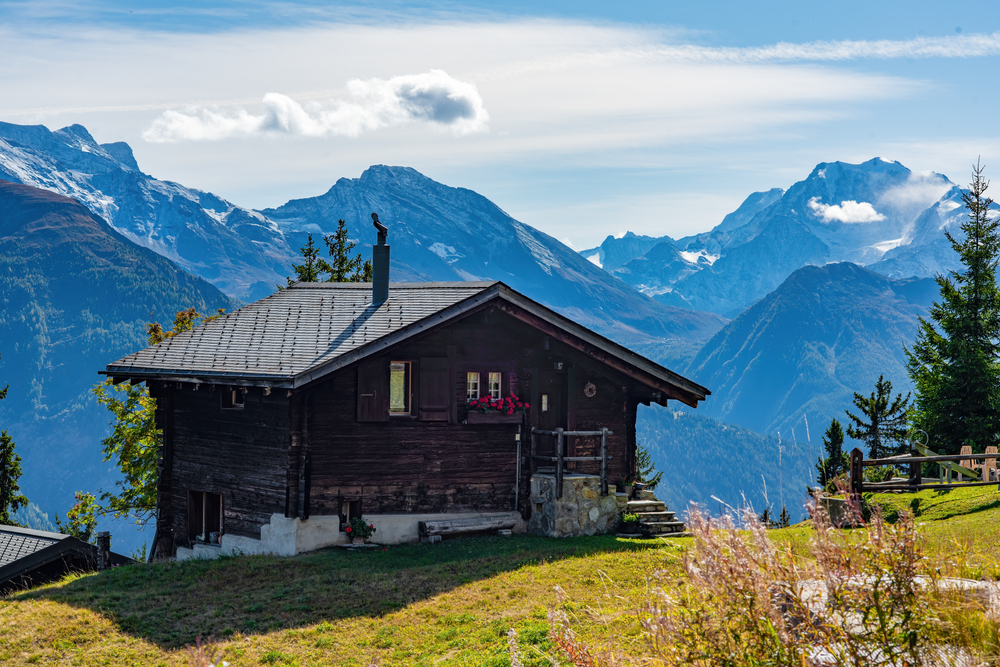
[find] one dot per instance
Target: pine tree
(314, 266)
(830, 467)
(883, 424)
(765, 518)
(954, 361)
(647, 471)
(784, 519)
(343, 268)
(11, 498)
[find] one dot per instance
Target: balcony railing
(560, 459)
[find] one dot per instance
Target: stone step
(646, 517)
(640, 506)
(660, 527)
(678, 534)
(646, 494)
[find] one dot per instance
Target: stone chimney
(380, 264)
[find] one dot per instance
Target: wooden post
(857, 472)
(559, 461)
(604, 461)
(915, 472)
(517, 474)
(531, 463)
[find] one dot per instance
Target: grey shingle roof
(308, 330)
(279, 338)
(16, 543)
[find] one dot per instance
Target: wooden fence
(560, 459)
(919, 454)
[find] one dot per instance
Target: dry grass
(446, 604)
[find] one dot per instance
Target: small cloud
(566, 242)
(846, 211)
(432, 97)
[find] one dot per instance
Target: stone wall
(581, 510)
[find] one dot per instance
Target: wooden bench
(438, 528)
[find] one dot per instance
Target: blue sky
(580, 118)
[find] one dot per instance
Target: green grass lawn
(444, 604)
(450, 603)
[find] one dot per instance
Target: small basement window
(205, 516)
(399, 388)
(471, 386)
(348, 510)
(495, 379)
(232, 399)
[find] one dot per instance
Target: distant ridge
(799, 353)
(76, 295)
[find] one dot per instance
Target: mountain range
(877, 214)
(809, 324)
(437, 232)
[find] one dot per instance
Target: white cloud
(433, 97)
(920, 190)
(845, 211)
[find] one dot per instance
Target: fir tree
(342, 267)
(835, 463)
(784, 519)
(647, 471)
(883, 421)
(314, 266)
(11, 498)
(954, 361)
(765, 518)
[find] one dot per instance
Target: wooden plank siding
(239, 453)
(401, 464)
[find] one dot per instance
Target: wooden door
(552, 399)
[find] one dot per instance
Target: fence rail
(560, 459)
(916, 482)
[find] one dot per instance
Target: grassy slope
(445, 604)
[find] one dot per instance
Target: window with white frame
(471, 386)
(495, 384)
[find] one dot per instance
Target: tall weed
(867, 596)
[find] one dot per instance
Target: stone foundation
(582, 510)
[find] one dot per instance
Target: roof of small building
(27, 555)
(309, 330)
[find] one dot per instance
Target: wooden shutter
(373, 390)
(435, 389)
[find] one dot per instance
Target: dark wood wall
(238, 453)
(256, 456)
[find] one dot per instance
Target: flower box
(476, 417)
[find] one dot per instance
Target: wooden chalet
(328, 400)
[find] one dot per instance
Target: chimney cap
(382, 229)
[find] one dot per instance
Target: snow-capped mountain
(436, 232)
(238, 250)
(439, 232)
(877, 213)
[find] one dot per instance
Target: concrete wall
(582, 510)
(287, 537)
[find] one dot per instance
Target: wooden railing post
(857, 473)
(559, 462)
(531, 464)
(604, 461)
